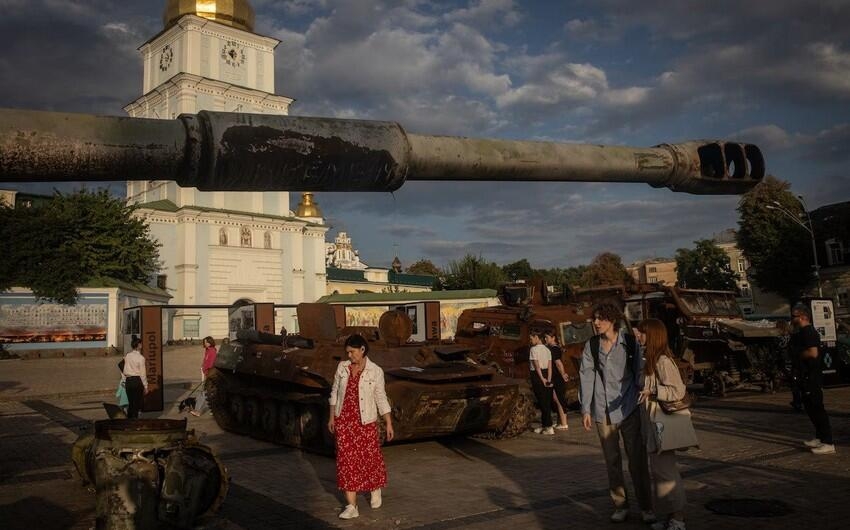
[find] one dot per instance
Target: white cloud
(483, 13)
(570, 82)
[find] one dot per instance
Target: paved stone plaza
(749, 449)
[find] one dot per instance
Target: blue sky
(604, 71)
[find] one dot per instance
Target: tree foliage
(558, 277)
(705, 267)
(473, 272)
(778, 248)
(71, 240)
(424, 266)
(518, 270)
(606, 269)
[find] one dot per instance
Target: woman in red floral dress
(357, 398)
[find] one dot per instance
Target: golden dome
(308, 208)
(236, 13)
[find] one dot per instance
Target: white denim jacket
(373, 395)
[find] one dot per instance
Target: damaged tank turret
(277, 388)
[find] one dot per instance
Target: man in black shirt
(805, 345)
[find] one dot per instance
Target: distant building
(17, 199)
(341, 254)
(832, 234)
(751, 299)
(656, 270)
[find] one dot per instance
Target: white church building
(222, 248)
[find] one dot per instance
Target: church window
(222, 237)
(161, 281)
(267, 240)
(835, 252)
(246, 237)
(191, 328)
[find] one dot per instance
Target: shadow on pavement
(35, 512)
(12, 387)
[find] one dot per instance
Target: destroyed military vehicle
(277, 388)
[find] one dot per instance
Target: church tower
(221, 247)
(208, 58)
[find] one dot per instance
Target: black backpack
(631, 350)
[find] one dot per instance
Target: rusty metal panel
(151, 326)
(432, 321)
(317, 321)
(264, 317)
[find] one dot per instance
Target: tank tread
(273, 413)
(518, 420)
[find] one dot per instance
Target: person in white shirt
(136, 379)
(540, 364)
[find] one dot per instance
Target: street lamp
(808, 227)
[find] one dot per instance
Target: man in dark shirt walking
(805, 345)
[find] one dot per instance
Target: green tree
(778, 248)
(518, 270)
(705, 267)
(571, 276)
(71, 240)
(424, 266)
(606, 269)
(473, 272)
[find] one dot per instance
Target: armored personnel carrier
(709, 335)
(276, 388)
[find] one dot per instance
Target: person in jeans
(610, 374)
(805, 345)
(540, 364)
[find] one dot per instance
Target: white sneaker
(375, 499)
(648, 516)
(824, 449)
(619, 515)
(537, 430)
(350, 512)
(548, 430)
(814, 442)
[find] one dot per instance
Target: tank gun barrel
(218, 151)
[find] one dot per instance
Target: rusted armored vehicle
(499, 336)
(276, 388)
(709, 334)
(149, 473)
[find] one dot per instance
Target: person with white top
(540, 364)
(358, 399)
(135, 377)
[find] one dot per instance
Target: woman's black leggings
(560, 387)
(135, 395)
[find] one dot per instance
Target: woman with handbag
(666, 423)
